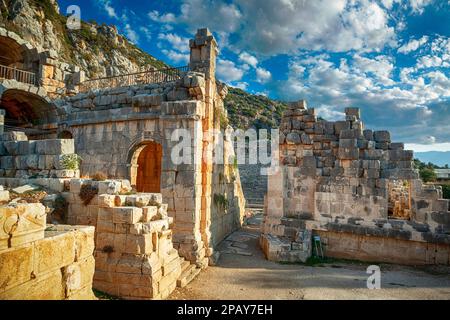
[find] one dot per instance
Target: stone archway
(146, 165)
(17, 53)
(26, 111)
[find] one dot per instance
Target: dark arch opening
(11, 53)
(146, 165)
(25, 111)
(65, 135)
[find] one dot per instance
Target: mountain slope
(246, 110)
(97, 49)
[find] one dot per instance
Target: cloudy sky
(391, 58)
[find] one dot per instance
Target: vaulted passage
(11, 53)
(146, 168)
(25, 111)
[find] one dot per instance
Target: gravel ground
(243, 273)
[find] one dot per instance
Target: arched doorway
(27, 112)
(17, 60)
(146, 167)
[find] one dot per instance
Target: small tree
(427, 175)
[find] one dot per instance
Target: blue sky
(391, 58)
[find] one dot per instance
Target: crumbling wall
(335, 176)
(135, 255)
(40, 262)
(31, 159)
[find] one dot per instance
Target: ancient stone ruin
(101, 149)
(355, 189)
(91, 196)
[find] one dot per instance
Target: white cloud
(227, 71)
(417, 147)
(162, 18)
(273, 26)
(413, 45)
(176, 57)
(131, 34)
(179, 43)
(249, 59)
(109, 8)
(380, 66)
(263, 75)
(240, 85)
(418, 6)
(217, 15)
(429, 140)
(429, 62)
(147, 33)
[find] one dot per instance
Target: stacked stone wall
(43, 262)
(336, 176)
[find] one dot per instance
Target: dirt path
(244, 273)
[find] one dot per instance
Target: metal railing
(147, 77)
(17, 74)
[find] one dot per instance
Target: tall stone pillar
(203, 59)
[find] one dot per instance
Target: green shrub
(70, 161)
(427, 174)
(220, 201)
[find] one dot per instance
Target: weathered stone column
(203, 59)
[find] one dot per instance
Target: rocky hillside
(97, 49)
(100, 51)
(246, 110)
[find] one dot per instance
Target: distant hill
(439, 158)
(247, 110)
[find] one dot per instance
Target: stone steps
(188, 273)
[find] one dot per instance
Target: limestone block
(353, 112)
(155, 226)
(4, 195)
(106, 200)
(341, 125)
(182, 108)
(22, 223)
(148, 213)
(7, 162)
(382, 136)
(48, 286)
(139, 244)
(348, 153)
(348, 143)
(14, 136)
(128, 215)
(54, 252)
(55, 146)
(293, 138)
(146, 100)
(109, 187)
(78, 275)
(16, 265)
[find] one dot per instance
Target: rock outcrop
(99, 50)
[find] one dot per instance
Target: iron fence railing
(18, 75)
(147, 77)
